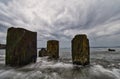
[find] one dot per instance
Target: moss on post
(80, 50)
(53, 49)
(21, 47)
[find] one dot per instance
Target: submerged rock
(21, 47)
(80, 50)
(43, 52)
(53, 49)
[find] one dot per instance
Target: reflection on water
(104, 65)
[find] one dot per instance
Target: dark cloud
(62, 19)
(5, 1)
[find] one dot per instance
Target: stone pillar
(43, 52)
(80, 50)
(53, 49)
(21, 47)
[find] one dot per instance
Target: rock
(111, 49)
(80, 50)
(21, 47)
(43, 52)
(53, 49)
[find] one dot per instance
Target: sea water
(104, 65)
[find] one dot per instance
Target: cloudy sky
(62, 19)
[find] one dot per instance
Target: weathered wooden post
(53, 49)
(21, 47)
(80, 50)
(43, 52)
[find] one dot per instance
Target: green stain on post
(80, 50)
(21, 48)
(53, 49)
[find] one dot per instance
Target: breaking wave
(44, 69)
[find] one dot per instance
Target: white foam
(118, 63)
(8, 73)
(60, 65)
(116, 72)
(51, 64)
(99, 70)
(44, 63)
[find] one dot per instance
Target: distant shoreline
(3, 46)
(90, 47)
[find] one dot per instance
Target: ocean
(103, 65)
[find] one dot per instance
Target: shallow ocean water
(104, 65)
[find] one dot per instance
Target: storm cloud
(62, 19)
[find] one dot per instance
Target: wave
(45, 69)
(99, 72)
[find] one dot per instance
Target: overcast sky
(63, 19)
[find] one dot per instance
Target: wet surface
(104, 65)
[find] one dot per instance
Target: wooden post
(53, 49)
(21, 47)
(80, 50)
